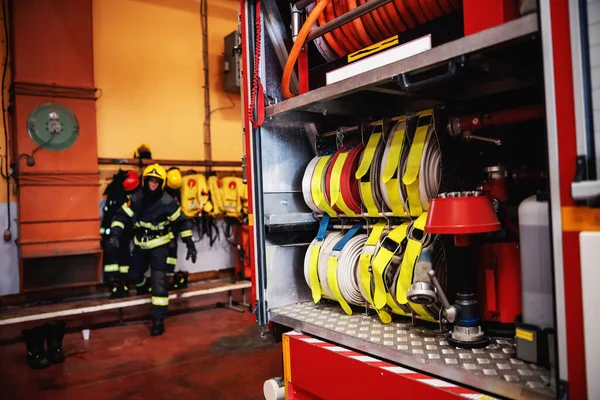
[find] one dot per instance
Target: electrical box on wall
(231, 63)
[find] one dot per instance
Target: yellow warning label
(525, 335)
(250, 219)
(577, 219)
(372, 49)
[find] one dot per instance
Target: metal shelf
(322, 100)
(493, 369)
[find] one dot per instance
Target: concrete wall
(9, 262)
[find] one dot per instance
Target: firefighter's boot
(180, 280)
(34, 340)
(124, 289)
(158, 326)
(116, 291)
(144, 287)
(54, 338)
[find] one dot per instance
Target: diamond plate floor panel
(494, 367)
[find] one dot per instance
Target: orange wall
(148, 64)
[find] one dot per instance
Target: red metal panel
(320, 369)
(53, 42)
(303, 71)
(500, 282)
(567, 153)
(248, 145)
(296, 393)
(479, 15)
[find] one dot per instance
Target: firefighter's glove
(113, 243)
(191, 250)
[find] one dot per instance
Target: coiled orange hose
(379, 24)
(291, 61)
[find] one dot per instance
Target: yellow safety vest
(194, 195)
(231, 194)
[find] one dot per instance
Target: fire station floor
(205, 353)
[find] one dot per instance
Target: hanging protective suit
(155, 215)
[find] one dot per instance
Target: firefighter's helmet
(143, 151)
(131, 181)
(174, 178)
(155, 171)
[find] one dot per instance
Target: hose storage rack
(346, 173)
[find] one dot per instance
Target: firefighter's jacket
(153, 222)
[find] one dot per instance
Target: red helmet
(131, 182)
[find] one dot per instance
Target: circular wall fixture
(53, 126)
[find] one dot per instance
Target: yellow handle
(369, 153)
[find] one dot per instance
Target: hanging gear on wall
(196, 203)
(234, 194)
(143, 152)
(174, 180)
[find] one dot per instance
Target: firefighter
(154, 215)
(174, 181)
(117, 263)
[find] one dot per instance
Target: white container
(86, 334)
(536, 263)
(274, 389)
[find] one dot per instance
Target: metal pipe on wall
(207, 133)
(181, 163)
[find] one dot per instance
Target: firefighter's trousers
(172, 258)
(118, 262)
(156, 259)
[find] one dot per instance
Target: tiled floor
(209, 354)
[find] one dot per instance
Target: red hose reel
(381, 23)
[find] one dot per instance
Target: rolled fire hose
(341, 186)
(420, 167)
(306, 185)
(369, 172)
(390, 162)
(326, 251)
(431, 256)
(390, 181)
(314, 185)
(326, 246)
(347, 273)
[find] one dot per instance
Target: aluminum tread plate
(512, 30)
(493, 369)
